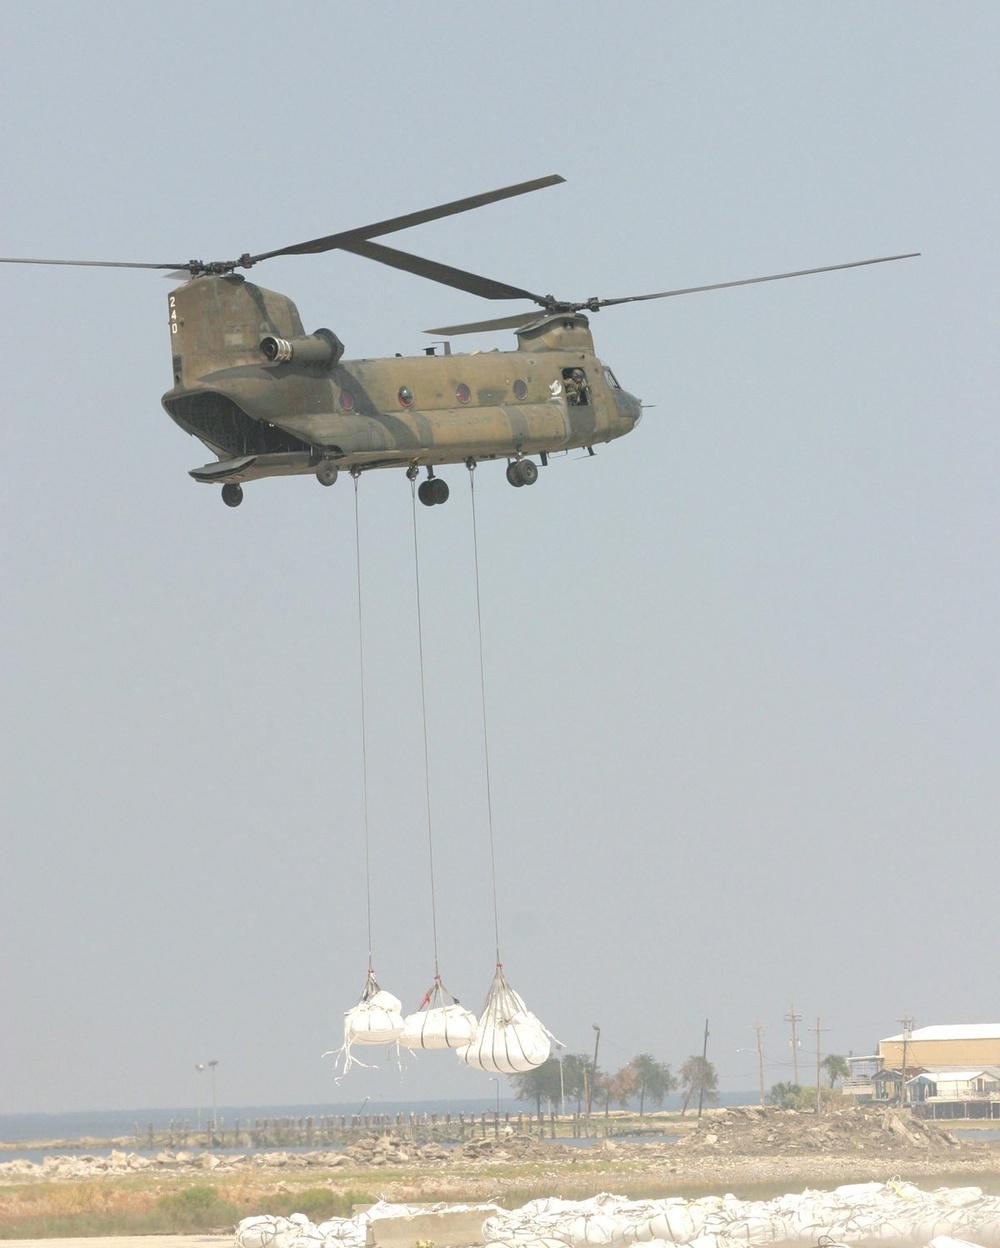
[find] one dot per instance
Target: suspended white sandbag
(376, 1019)
(510, 1039)
(379, 1020)
(443, 1027)
(439, 1022)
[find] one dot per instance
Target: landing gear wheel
(232, 495)
(432, 491)
(327, 472)
(522, 472)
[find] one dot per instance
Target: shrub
(197, 1208)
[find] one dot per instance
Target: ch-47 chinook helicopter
(270, 400)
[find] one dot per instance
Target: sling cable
(440, 1020)
(378, 1017)
(510, 1039)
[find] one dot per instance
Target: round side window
(463, 393)
(520, 389)
(405, 396)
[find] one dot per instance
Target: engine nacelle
(323, 349)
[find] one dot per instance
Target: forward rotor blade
(332, 241)
(594, 304)
(486, 287)
(96, 264)
(500, 322)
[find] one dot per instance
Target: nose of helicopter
(634, 406)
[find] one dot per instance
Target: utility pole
(758, 1028)
(593, 1072)
(562, 1087)
(793, 1018)
(704, 1067)
(819, 1101)
(907, 1022)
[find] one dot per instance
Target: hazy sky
(741, 667)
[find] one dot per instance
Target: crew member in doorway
(576, 387)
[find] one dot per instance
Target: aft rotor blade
(475, 284)
(95, 264)
(500, 322)
(594, 304)
(332, 241)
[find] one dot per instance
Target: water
(109, 1124)
(18, 1132)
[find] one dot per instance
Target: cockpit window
(611, 379)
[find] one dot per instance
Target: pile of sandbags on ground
(297, 1231)
(860, 1213)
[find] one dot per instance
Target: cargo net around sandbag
(510, 1039)
(376, 1019)
(440, 1021)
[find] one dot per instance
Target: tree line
(643, 1081)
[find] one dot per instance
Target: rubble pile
(871, 1131)
(512, 1147)
(121, 1163)
(377, 1151)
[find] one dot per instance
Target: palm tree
(699, 1078)
(836, 1067)
(652, 1079)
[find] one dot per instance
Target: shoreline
(538, 1167)
(751, 1153)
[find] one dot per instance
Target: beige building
(962, 1045)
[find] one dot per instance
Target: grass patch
(317, 1203)
(105, 1209)
(197, 1208)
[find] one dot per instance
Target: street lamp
(200, 1068)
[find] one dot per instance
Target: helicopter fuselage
(270, 400)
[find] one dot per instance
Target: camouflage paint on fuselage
(286, 417)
